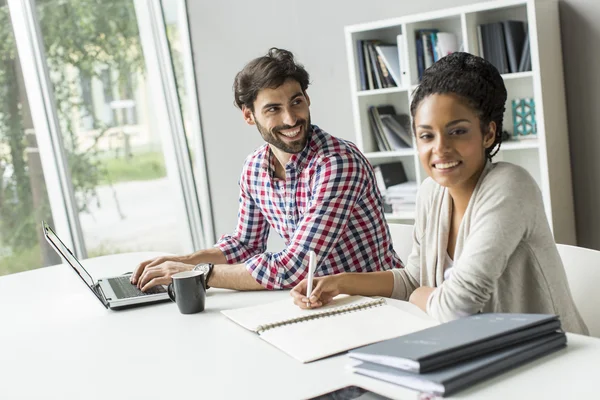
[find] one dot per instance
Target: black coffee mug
(187, 290)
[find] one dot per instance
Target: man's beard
(272, 136)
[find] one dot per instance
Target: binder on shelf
(392, 173)
(493, 45)
(514, 36)
(525, 64)
(369, 69)
(362, 69)
(403, 62)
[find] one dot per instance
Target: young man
(318, 192)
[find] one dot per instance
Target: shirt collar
(298, 160)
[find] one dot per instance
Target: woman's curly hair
(473, 79)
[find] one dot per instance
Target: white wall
(227, 33)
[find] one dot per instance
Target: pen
(312, 265)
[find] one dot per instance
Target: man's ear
(307, 98)
(248, 115)
(490, 137)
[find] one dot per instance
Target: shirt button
(290, 216)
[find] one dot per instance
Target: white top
(448, 267)
(58, 342)
(505, 258)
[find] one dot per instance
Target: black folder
(460, 376)
(514, 35)
(457, 340)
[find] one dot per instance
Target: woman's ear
(490, 136)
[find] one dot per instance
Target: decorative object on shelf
(524, 123)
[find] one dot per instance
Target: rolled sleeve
(252, 230)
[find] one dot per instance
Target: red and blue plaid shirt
(329, 202)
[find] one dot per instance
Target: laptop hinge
(101, 295)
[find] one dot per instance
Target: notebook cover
(457, 340)
(459, 376)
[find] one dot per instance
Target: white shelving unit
(546, 157)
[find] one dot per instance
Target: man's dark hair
(269, 71)
(473, 79)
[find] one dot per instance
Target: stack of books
(447, 358)
(399, 194)
(402, 197)
(390, 130)
(506, 45)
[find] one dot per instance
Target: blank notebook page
(310, 340)
(323, 336)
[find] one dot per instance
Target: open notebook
(345, 323)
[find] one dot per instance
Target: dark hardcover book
(362, 69)
(375, 66)
(485, 47)
(377, 135)
(499, 47)
(525, 61)
(494, 48)
(393, 173)
(457, 340)
(367, 58)
(420, 57)
(514, 36)
(452, 379)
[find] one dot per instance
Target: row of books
(379, 64)
(506, 45)
(447, 358)
(390, 130)
(431, 45)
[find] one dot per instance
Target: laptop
(114, 292)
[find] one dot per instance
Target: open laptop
(114, 292)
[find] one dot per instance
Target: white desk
(58, 342)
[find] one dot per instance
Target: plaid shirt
(329, 202)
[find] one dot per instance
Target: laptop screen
(66, 254)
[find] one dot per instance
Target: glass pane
(175, 17)
(114, 150)
(23, 196)
(172, 12)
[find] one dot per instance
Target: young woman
(481, 240)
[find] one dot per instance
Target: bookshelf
(546, 156)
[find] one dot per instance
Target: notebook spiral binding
(324, 314)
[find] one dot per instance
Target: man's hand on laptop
(158, 271)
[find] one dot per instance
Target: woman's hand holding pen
(324, 290)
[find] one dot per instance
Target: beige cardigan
(505, 258)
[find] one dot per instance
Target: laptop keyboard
(124, 289)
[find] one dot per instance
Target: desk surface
(58, 342)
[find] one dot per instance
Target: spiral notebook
(345, 323)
